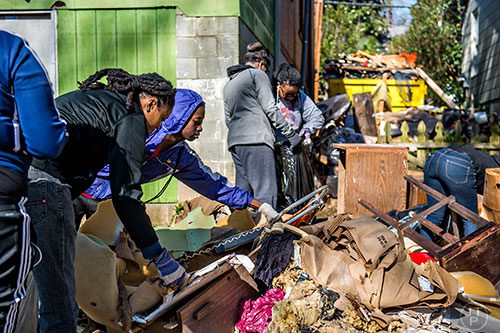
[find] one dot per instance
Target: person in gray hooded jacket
(250, 114)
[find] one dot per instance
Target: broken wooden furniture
(373, 172)
(209, 303)
(477, 252)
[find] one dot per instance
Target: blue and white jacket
(29, 121)
(179, 160)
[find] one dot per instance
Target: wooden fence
(419, 150)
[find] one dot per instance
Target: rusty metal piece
(432, 248)
(421, 218)
(454, 206)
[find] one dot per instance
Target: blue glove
(171, 272)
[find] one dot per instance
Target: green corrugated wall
(137, 40)
(258, 15)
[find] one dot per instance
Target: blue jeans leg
(451, 173)
(460, 178)
(53, 219)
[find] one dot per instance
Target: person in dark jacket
(107, 124)
(170, 155)
(250, 115)
(458, 171)
(29, 126)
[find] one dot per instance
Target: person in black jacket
(29, 126)
(458, 171)
(107, 124)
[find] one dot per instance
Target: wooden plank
(363, 111)
(372, 147)
(372, 174)
(167, 61)
(478, 252)
(341, 186)
(106, 38)
(147, 56)
(415, 195)
(216, 308)
(85, 44)
(66, 51)
(126, 47)
(436, 88)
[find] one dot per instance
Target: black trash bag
(335, 107)
(294, 173)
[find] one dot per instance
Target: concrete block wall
(206, 46)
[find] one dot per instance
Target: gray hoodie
(250, 108)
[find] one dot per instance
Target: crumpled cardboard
(364, 260)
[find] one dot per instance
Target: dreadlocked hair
(287, 74)
(120, 81)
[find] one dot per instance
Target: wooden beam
(318, 26)
(436, 88)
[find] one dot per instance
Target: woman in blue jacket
(169, 154)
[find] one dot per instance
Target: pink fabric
(256, 315)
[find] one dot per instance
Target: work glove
(294, 140)
(171, 272)
(305, 133)
(268, 211)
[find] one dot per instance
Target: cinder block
(211, 131)
(211, 150)
(186, 193)
(230, 172)
(212, 68)
(219, 86)
(210, 89)
(214, 110)
(206, 26)
(227, 25)
(228, 47)
(185, 26)
(186, 68)
(160, 214)
(196, 47)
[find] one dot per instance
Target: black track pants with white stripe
(15, 259)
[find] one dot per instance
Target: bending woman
(169, 154)
(107, 124)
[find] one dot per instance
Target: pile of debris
(364, 65)
(340, 274)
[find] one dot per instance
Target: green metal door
(137, 40)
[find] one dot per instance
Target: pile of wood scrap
(364, 65)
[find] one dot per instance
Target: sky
(401, 16)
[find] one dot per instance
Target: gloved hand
(268, 211)
(294, 140)
(171, 272)
(305, 133)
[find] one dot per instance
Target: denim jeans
(51, 211)
(451, 173)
